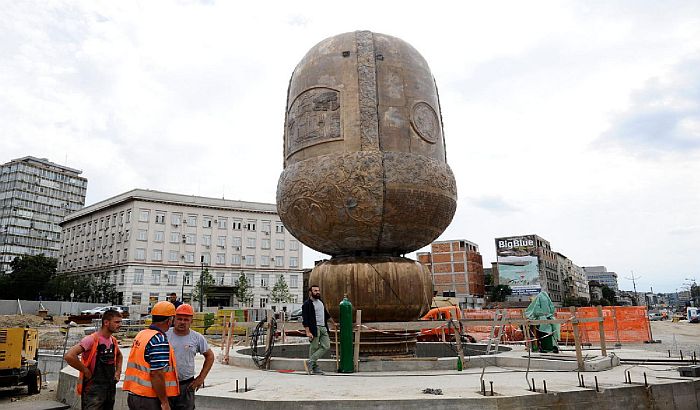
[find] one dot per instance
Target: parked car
(295, 316)
(95, 311)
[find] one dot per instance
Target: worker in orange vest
(151, 375)
(99, 364)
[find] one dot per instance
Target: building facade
(35, 195)
(151, 243)
(601, 275)
(457, 270)
(574, 283)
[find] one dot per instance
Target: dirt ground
(675, 337)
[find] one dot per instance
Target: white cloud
(189, 97)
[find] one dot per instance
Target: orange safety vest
(86, 358)
(137, 377)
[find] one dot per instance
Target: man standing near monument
(315, 319)
(100, 364)
(151, 375)
(186, 344)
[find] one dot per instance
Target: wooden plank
(358, 328)
(577, 340)
(458, 340)
(601, 329)
(229, 336)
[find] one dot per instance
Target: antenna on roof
(223, 191)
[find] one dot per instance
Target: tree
(500, 293)
(84, 288)
(280, 292)
(244, 292)
(609, 295)
(29, 277)
(203, 286)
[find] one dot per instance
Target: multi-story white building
(152, 243)
(601, 275)
(35, 195)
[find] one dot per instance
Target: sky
(576, 121)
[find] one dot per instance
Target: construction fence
(621, 324)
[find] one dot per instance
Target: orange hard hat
(163, 308)
(184, 310)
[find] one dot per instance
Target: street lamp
(201, 286)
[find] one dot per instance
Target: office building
(601, 275)
(151, 243)
(35, 195)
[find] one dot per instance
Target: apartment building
(35, 195)
(151, 243)
(457, 270)
(573, 278)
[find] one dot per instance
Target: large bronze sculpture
(365, 174)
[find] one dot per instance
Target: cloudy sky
(577, 121)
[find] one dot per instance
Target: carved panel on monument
(313, 117)
(425, 122)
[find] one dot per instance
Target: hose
(262, 360)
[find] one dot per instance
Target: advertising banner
(518, 264)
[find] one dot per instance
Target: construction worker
(186, 344)
(99, 364)
(151, 375)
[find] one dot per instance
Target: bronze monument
(365, 174)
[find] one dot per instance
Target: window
(142, 235)
(114, 220)
(206, 240)
(250, 225)
(236, 259)
(264, 280)
(206, 221)
(159, 236)
(250, 278)
(189, 257)
(250, 242)
(222, 222)
(121, 219)
(190, 239)
(143, 215)
(279, 227)
(174, 237)
(293, 281)
(128, 216)
(138, 276)
(176, 219)
(293, 245)
(265, 243)
(264, 260)
(279, 261)
(172, 277)
(172, 256)
(127, 235)
(250, 260)
(279, 244)
(140, 254)
(236, 224)
(220, 278)
(263, 302)
(266, 226)
(187, 278)
(155, 277)
(136, 298)
(293, 262)
(206, 258)
(192, 220)
(152, 298)
(236, 242)
(126, 251)
(221, 258)
(222, 241)
(157, 254)
(160, 217)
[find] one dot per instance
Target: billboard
(518, 264)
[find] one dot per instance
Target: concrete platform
(404, 389)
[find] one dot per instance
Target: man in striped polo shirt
(151, 377)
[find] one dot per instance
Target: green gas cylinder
(346, 337)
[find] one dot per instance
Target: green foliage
(575, 301)
(280, 292)
(609, 296)
(203, 286)
(84, 288)
(29, 277)
(500, 293)
(244, 292)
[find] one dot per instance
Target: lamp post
(201, 286)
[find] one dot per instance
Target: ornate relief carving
(313, 117)
(367, 77)
(425, 122)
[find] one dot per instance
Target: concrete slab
(404, 389)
